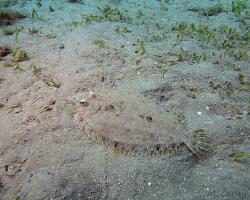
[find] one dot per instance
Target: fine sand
(45, 155)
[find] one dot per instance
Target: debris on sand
(8, 17)
(4, 51)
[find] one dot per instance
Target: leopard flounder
(131, 124)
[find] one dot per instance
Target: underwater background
(124, 99)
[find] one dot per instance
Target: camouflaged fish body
(135, 125)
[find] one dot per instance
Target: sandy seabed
(43, 152)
